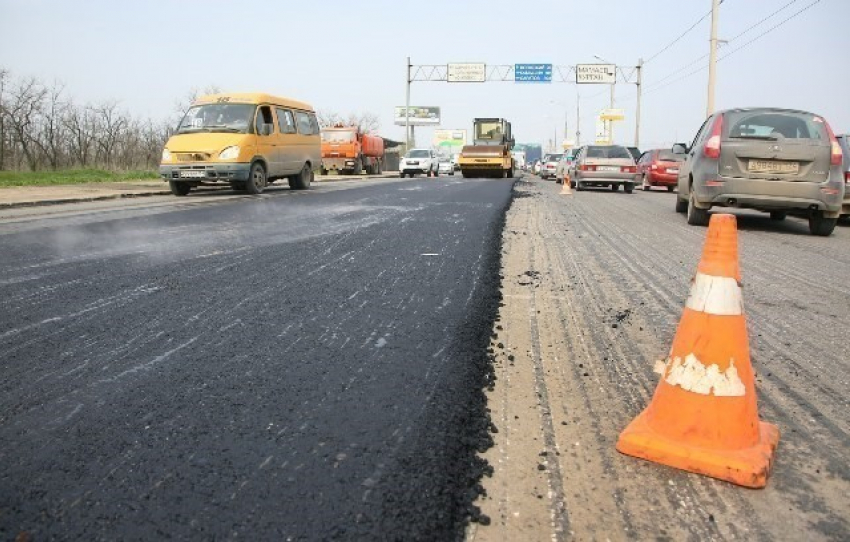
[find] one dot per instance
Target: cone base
(748, 467)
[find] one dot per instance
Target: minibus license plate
(193, 174)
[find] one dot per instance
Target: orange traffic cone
(703, 417)
(567, 189)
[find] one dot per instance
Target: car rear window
(552, 158)
(670, 156)
(607, 152)
(774, 125)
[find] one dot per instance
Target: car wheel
(615, 187)
(670, 188)
(579, 186)
(645, 184)
(696, 216)
(303, 180)
(179, 188)
(778, 215)
(820, 225)
(629, 188)
(256, 179)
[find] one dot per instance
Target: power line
(769, 30)
(753, 26)
(655, 85)
(682, 35)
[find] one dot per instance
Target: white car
(549, 165)
(418, 161)
(446, 167)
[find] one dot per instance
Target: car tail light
(837, 156)
(628, 169)
(585, 167)
(847, 177)
(712, 146)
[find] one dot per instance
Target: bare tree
(111, 122)
(50, 136)
(80, 123)
(4, 74)
(25, 101)
(41, 126)
(367, 122)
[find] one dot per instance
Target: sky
(350, 57)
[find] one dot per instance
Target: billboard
(466, 72)
(419, 116)
(449, 138)
(589, 74)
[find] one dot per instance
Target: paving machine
(490, 154)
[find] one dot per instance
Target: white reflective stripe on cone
(720, 296)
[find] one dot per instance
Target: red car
(659, 167)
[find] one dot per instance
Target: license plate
(193, 174)
(773, 166)
(672, 170)
(608, 168)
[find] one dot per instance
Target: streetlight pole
(637, 111)
(611, 122)
(578, 119)
(407, 109)
(712, 56)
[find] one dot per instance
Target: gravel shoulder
(594, 286)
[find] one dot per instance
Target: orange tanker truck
(349, 151)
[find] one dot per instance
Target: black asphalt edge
(447, 480)
(39, 203)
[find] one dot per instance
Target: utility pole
(712, 56)
(637, 111)
(578, 119)
(407, 110)
(611, 122)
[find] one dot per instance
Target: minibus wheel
(179, 188)
(257, 179)
(302, 180)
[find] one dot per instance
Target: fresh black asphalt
(299, 366)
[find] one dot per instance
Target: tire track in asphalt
(833, 460)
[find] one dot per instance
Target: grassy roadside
(71, 176)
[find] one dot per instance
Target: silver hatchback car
(772, 160)
(604, 165)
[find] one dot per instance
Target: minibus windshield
(235, 118)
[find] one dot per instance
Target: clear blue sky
(350, 56)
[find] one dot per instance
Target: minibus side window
(305, 127)
(285, 121)
(264, 117)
